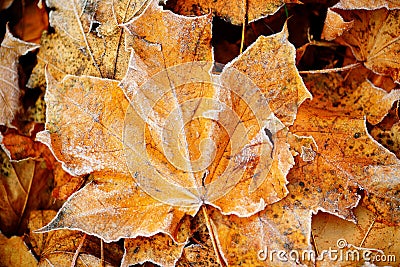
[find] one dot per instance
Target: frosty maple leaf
(372, 35)
(175, 137)
(87, 39)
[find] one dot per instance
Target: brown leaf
(25, 186)
(357, 99)
(87, 39)
(357, 4)
(366, 236)
(389, 138)
(374, 39)
(232, 11)
(33, 22)
(19, 147)
(14, 252)
(334, 25)
(11, 49)
(159, 249)
(58, 248)
(113, 207)
(282, 226)
(84, 107)
(179, 137)
(347, 159)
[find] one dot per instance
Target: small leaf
(15, 253)
(11, 49)
(59, 247)
(374, 39)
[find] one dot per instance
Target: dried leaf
(159, 249)
(33, 22)
(212, 138)
(334, 25)
(58, 248)
(10, 50)
(357, 99)
(79, 108)
(19, 147)
(357, 4)
(113, 207)
(366, 236)
(374, 39)
(347, 159)
(282, 226)
(14, 252)
(232, 11)
(87, 39)
(25, 186)
(389, 138)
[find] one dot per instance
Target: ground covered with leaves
(199, 133)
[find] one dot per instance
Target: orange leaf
(14, 252)
(58, 248)
(374, 39)
(232, 11)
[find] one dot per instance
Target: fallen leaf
(20, 147)
(369, 238)
(14, 252)
(334, 25)
(357, 99)
(5, 4)
(258, 240)
(347, 159)
(232, 11)
(87, 39)
(227, 148)
(11, 49)
(33, 22)
(373, 39)
(58, 248)
(25, 186)
(160, 249)
(112, 207)
(356, 4)
(389, 138)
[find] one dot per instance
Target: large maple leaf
(172, 137)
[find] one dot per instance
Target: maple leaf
(11, 49)
(232, 11)
(175, 137)
(25, 186)
(331, 167)
(60, 247)
(373, 37)
(87, 39)
(367, 235)
(14, 252)
(20, 147)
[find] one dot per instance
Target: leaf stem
(243, 25)
(220, 259)
(77, 251)
(348, 67)
(367, 233)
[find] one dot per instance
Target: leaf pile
(149, 140)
